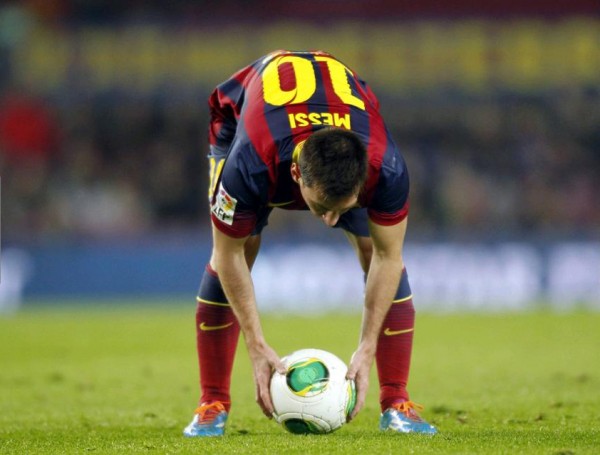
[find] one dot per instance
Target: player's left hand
(359, 370)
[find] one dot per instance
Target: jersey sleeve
(223, 121)
(225, 105)
(390, 202)
(241, 191)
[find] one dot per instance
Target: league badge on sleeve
(224, 206)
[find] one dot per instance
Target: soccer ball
(313, 396)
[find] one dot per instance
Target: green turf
(122, 379)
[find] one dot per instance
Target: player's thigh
(355, 224)
(363, 247)
(251, 248)
(252, 245)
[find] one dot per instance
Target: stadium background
(103, 125)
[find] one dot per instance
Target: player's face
(328, 211)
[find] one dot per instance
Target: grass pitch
(121, 379)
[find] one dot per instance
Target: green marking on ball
(307, 377)
(299, 426)
(351, 397)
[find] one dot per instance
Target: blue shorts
(355, 221)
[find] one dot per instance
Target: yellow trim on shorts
(280, 204)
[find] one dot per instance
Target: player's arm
(382, 283)
(229, 261)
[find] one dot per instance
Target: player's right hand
(264, 361)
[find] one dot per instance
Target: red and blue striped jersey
(266, 109)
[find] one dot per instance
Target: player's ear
(295, 171)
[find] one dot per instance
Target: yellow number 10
(306, 81)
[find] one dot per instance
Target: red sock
(394, 349)
(217, 333)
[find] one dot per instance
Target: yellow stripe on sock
(208, 302)
(402, 300)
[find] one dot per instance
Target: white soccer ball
(313, 396)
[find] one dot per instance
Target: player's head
(334, 161)
(331, 171)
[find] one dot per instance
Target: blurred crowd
(509, 165)
(514, 165)
(100, 168)
(497, 164)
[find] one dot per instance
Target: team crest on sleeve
(224, 206)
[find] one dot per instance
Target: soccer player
(301, 131)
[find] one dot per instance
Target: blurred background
(103, 139)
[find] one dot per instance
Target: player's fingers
(280, 367)
(264, 389)
(351, 373)
(359, 405)
(261, 403)
(353, 368)
(276, 363)
(267, 403)
(361, 392)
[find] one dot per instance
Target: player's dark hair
(334, 161)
